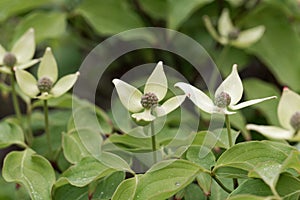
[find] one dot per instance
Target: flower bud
(222, 100)
(9, 59)
(149, 100)
(295, 121)
(45, 84)
(234, 34)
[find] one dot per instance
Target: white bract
(230, 35)
(22, 53)
(47, 85)
(227, 95)
(145, 106)
(288, 112)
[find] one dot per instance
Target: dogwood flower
(227, 95)
(47, 85)
(20, 56)
(288, 112)
(231, 35)
(145, 106)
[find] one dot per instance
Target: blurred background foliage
(74, 27)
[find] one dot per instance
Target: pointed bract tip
(48, 49)
(78, 73)
(31, 30)
(15, 68)
(234, 66)
(115, 81)
(285, 88)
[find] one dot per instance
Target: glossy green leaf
(163, 181)
(282, 36)
(185, 7)
(249, 197)
(264, 159)
(87, 170)
(8, 191)
(73, 148)
(71, 192)
(55, 26)
(10, 133)
(107, 17)
(154, 8)
(32, 171)
(193, 154)
(108, 185)
(126, 190)
(193, 192)
(10, 8)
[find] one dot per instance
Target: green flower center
(234, 34)
(9, 59)
(295, 121)
(222, 100)
(45, 84)
(149, 100)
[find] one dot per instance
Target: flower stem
(15, 99)
(47, 126)
(29, 135)
(153, 139)
(235, 181)
(228, 130)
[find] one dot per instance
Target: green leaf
(160, 182)
(155, 8)
(32, 171)
(107, 17)
(108, 185)
(55, 26)
(8, 191)
(193, 154)
(193, 192)
(87, 170)
(282, 36)
(185, 7)
(73, 148)
(268, 108)
(71, 192)
(10, 8)
(248, 197)
(288, 187)
(11, 133)
(163, 181)
(126, 190)
(264, 159)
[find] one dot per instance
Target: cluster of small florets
(149, 100)
(222, 100)
(295, 121)
(9, 59)
(44, 84)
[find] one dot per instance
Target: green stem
(219, 62)
(228, 130)
(221, 184)
(235, 181)
(14, 98)
(153, 139)
(47, 126)
(29, 134)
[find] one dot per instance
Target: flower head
(231, 35)
(47, 85)
(20, 56)
(227, 95)
(145, 106)
(288, 112)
